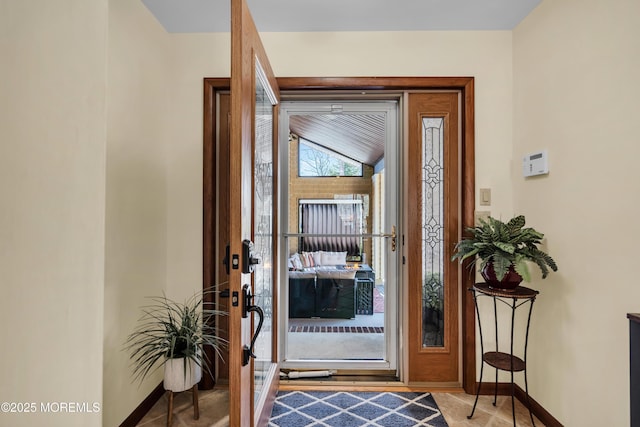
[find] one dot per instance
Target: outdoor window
(331, 225)
(316, 161)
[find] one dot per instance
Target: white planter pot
(175, 378)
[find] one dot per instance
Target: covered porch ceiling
(360, 137)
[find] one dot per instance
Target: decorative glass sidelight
(263, 232)
(432, 232)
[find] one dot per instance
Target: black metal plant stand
(497, 359)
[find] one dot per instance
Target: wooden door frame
(312, 84)
(212, 86)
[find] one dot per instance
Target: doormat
(354, 409)
(349, 329)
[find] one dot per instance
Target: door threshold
(342, 383)
(364, 380)
(378, 385)
(346, 379)
(343, 376)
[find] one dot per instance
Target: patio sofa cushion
(304, 260)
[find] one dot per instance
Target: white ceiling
(188, 16)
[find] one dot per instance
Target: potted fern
(504, 250)
(173, 335)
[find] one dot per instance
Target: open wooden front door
(253, 370)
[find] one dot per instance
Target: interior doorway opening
(338, 208)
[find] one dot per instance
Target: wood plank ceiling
(358, 136)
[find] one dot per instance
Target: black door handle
(248, 351)
(248, 307)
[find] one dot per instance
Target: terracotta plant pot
(509, 282)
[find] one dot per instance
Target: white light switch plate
(485, 197)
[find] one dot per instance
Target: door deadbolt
(249, 259)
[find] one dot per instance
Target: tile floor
(214, 409)
(455, 407)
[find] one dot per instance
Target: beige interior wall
(195, 56)
(139, 82)
(487, 56)
(576, 67)
(52, 188)
(154, 180)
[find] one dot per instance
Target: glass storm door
(253, 370)
(339, 216)
(433, 219)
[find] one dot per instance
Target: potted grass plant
(504, 251)
(174, 335)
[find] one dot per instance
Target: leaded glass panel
(263, 232)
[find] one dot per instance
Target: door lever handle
(248, 307)
(394, 238)
(247, 352)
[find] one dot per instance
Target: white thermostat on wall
(535, 164)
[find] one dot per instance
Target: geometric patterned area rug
(354, 409)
